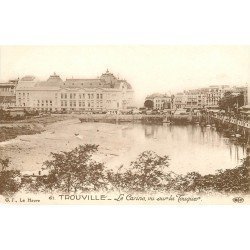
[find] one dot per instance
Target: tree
(149, 104)
(235, 180)
(73, 171)
(76, 171)
(231, 101)
(166, 105)
(10, 180)
(4, 115)
(147, 172)
(188, 183)
(116, 179)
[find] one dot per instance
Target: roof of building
(28, 78)
(25, 85)
(2, 84)
(180, 94)
(222, 86)
(94, 83)
(107, 80)
(84, 83)
(157, 95)
(27, 82)
(54, 79)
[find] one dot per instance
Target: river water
(190, 148)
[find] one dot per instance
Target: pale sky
(149, 69)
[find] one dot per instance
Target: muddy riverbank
(33, 125)
(11, 132)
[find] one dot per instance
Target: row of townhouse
(194, 99)
(106, 93)
(205, 97)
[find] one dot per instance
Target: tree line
(77, 171)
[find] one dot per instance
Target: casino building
(104, 94)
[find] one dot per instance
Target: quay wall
(158, 118)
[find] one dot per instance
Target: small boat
(24, 140)
(83, 120)
(203, 124)
(233, 139)
(166, 121)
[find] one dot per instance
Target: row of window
(44, 101)
(23, 94)
(6, 89)
(157, 100)
(159, 105)
(81, 96)
(80, 104)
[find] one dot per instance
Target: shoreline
(35, 125)
(10, 130)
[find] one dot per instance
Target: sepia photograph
(124, 124)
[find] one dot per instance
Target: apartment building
(7, 93)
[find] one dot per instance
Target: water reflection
(191, 148)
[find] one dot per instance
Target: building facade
(160, 101)
(214, 94)
(201, 98)
(246, 109)
(194, 99)
(103, 94)
(8, 94)
(248, 94)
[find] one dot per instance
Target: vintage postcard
(124, 125)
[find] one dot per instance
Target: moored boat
(166, 120)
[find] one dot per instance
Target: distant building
(246, 108)
(193, 99)
(239, 90)
(248, 95)
(180, 101)
(106, 93)
(201, 98)
(215, 93)
(8, 94)
(160, 101)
